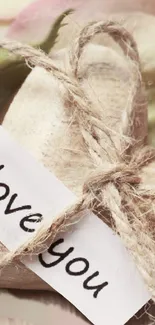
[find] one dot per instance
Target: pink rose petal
(33, 23)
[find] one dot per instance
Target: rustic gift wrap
(84, 116)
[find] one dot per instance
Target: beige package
(40, 121)
(40, 118)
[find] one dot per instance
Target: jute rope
(118, 194)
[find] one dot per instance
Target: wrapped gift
(50, 117)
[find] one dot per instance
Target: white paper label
(88, 265)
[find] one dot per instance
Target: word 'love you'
(12, 208)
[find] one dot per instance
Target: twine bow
(117, 195)
(117, 175)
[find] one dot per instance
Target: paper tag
(88, 265)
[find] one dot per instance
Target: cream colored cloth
(39, 120)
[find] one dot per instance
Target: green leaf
(11, 78)
(50, 41)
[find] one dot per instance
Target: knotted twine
(117, 195)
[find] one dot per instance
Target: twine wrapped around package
(118, 190)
